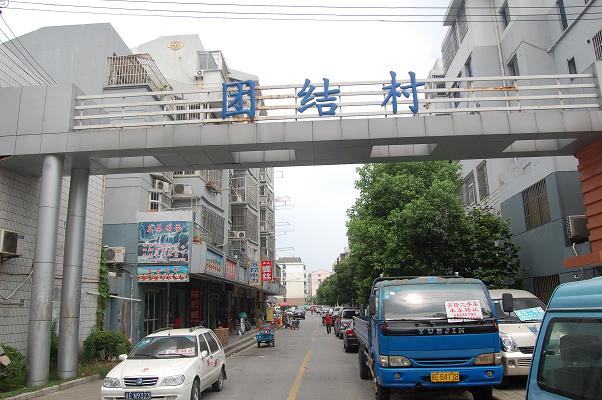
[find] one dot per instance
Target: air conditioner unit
(576, 228)
(232, 234)
(235, 198)
(199, 74)
(241, 234)
(8, 242)
(115, 255)
(182, 190)
(162, 186)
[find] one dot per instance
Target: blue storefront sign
(163, 273)
(163, 242)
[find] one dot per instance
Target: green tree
(327, 292)
(409, 220)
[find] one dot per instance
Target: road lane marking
(292, 395)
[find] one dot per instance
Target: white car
(174, 364)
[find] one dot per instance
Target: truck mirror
(372, 306)
(507, 302)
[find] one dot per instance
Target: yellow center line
(292, 395)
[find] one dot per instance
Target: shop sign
(163, 242)
(195, 307)
(215, 263)
(266, 270)
(163, 273)
(231, 270)
(254, 275)
(242, 274)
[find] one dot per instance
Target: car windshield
(521, 304)
(348, 314)
(165, 347)
(428, 302)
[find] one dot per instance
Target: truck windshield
(520, 304)
(428, 301)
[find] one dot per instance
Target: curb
(54, 389)
(240, 344)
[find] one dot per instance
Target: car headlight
(109, 382)
(508, 343)
(394, 361)
(173, 380)
(488, 359)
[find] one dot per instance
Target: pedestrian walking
(328, 322)
(241, 328)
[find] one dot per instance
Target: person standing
(241, 328)
(328, 322)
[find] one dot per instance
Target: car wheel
(219, 384)
(364, 370)
(347, 350)
(482, 393)
(195, 393)
(258, 344)
(274, 343)
(382, 393)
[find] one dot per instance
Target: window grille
(544, 286)
(469, 194)
(212, 177)
(184, 173)
(597, 42)
(157, 201)
(535, 201)
(482, 180)
(450, 47)
(462, 22)
(214, 223)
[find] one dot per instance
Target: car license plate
(445, 377)
(137, 395)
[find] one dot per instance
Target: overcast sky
(282, 52)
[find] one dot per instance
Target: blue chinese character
(233, 100)
(393, 93)
(320, 100)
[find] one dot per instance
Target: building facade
(537, 194)
(294, 279)
(315, 279)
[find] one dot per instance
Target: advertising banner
(231, 270)
(164, 242)
(266, 270)
(215, 263)
(195, 307)
(254, 277)
(458, 311)
(163, 273)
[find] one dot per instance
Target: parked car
(299, 313)
(350, 343)
(344, 318)
(518, 329)
(567, 360)
(335, 313)
(171, 363)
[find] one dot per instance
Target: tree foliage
(409, 220)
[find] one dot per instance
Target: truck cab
(430, 333)
(567, 361)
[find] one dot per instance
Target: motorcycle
(295, 324)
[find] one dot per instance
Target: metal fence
(355, 99)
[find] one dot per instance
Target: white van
(518, 329)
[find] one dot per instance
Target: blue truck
(567, 361)
(430, 333)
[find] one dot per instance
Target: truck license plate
(445, 377)
(137, 395)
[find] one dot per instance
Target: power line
(283, 14)
(359, 18)
(39, 79)
(27, 51)
(35, 81)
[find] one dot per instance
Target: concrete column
(72, 274)
(40, 312)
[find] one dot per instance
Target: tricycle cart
(266, 335)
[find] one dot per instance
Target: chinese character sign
(163, 273)
(324, 101)
(215, 263)
(530, 314)
(266, 270)
(458, 311)
(254, 275)
(393, 93)
(231, 270)
(163, 242)
(238, 99)
(195, 307)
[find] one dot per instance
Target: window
(468, 190)
(505, 15)
(544, 286)
(572, 66)
(456, 95)
(439, 85)
(203, 345)
(462, 23)
(571, 358)
(482, 180)
(450, 47)
(157, 201)
(212, 343)
(562, 11)
(597, 42)
(214, 223)
(513, 69)
(535, 201)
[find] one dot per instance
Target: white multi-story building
(513, 38)
(294, 279)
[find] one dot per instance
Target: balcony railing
(356, 99)
(135, 70)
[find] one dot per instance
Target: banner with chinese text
(231, 270)
(266, 270)
(163, 242)
(195, 307)
(163, 273)
(254, 276)
(215, 263)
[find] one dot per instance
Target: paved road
(306, 364)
